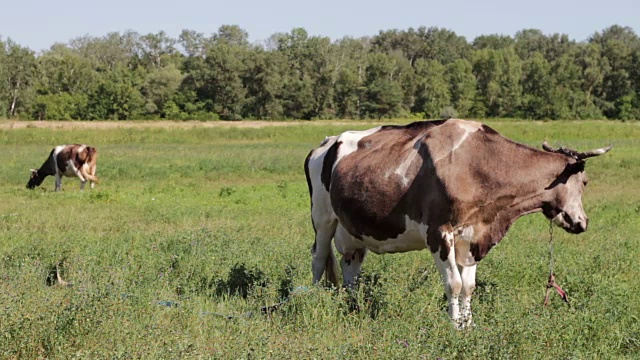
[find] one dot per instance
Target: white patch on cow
(451, 279)
(71, 169)
(322, 214)
(82, 148)
(413, 238)
(468, 276)
(404, 166)
(469, 128)
(56, 151)
(349, 142)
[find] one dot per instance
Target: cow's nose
(584, 224)
(580, 226)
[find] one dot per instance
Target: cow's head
(565, 203)
(34, 179)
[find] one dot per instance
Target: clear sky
(40, 23)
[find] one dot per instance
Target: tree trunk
(12, 109)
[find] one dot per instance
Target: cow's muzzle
(570, 225)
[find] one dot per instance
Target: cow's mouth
(565, 221)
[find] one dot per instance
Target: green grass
(196, 217)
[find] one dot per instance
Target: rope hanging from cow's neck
(551, 283)
(551, 248)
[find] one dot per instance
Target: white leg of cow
(58, 182)
(450, 277)
(468, 275)
(323, 258)
(83, 181)
(93, 173)
(353, 255)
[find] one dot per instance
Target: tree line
(424, 73)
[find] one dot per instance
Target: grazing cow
(68, 160)
(452, 186)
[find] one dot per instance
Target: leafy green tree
(423, 43)
(349, 83)
(617, 45)
(4, 83)
(156, 49)
(117, 96)
(383, 95)
(159, 87)
(62, 82)
(493, 42)
(537, 87)
(193, 43)
(462, 86)
(231, 35)
(19, 68)
(432, 93)
(264, 82)
(110, 51)
(498, 73)
(530, 41)
(222, 82)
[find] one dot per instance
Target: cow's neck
(533, 183)
(48, 167)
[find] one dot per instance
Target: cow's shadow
(240, 281)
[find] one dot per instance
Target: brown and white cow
(452, 186)
(67, 160)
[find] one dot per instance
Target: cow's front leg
(446, 262)
(83, 181)
(468, 274)
(58, 182)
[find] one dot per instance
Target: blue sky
(39, 24)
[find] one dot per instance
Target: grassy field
(193, 230)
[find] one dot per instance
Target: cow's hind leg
(446, 262)
(323, 258)
(353, 252)
(468, 275)
(93, 174)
